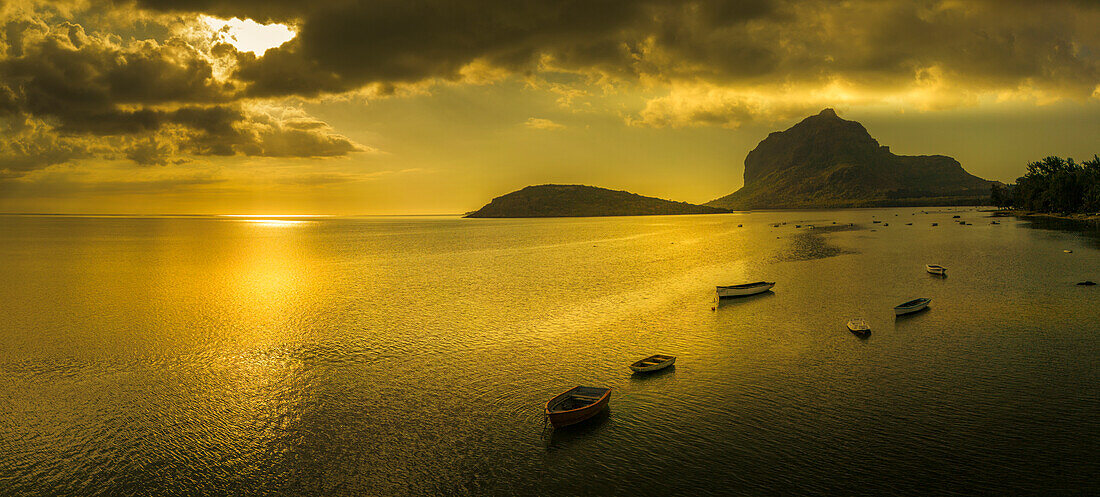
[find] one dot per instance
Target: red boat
(577, 404)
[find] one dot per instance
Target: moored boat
(577, 404)
(859, 327)
(653, 363)
(935, 269)
(912, 306)
(744, 290)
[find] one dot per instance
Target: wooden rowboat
(859, 327)
(912, 306)
(653, 363)
(577, 404)
(935, 269)
(744, 290)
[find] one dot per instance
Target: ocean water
(413, 356)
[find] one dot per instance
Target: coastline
(1093, 219)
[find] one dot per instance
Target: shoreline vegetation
(1053, 188)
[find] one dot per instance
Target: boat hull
(655, 367)
(572, 417)
(937, 270)
(901, 311)
(728, 292)
(859, 329)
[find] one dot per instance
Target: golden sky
(414, 106)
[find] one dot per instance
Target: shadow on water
(660, 373)
(811, 244)
(912, 317)
(938, 276)
(565, 436)
(1087, 229)
(730, 301)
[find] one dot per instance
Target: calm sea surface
(410, 356)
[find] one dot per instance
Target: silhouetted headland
(826, 162)
(583, 201)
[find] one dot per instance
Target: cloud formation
(67, 93)
(543, 124)
(77, 82)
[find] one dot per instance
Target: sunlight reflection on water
(413, 356)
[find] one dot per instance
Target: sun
(247, 35)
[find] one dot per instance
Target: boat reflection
(565, 436)
(730, 302)
(660, 373)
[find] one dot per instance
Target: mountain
(826, 161)
(581, 201)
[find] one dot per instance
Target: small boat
(859, 327)
(911, 306)
(798, 226)
(955, 217)
(935, 224)
(875, 222)
(994, 222)
(738, 225)
(935, 269)
(1087, 283)
(653, 363)
(908, 224)
(577, 404)
(886, 224)
(1068, 251)
(744, 290)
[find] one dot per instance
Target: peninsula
(583, 201)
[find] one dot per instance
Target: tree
(1053, 184)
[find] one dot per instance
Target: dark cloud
(68, 93)
(184, 96)
(345, 44)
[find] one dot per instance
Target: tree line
(1053, 184)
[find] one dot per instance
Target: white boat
(744, 290)
(653, 363)
(912, 306)
(935, 269)
(859, 327)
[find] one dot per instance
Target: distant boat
(994, 222)
(935, 224)
(744, 290)
(1068, 251)
(908, 224)
(738, 225)
(798, 226)
(577, 404)
(886, 224)
(859, 327)
(1087, 283)
(875, 222)
(955, 217)
(653, 363)
(911, 306)
(935, 269)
